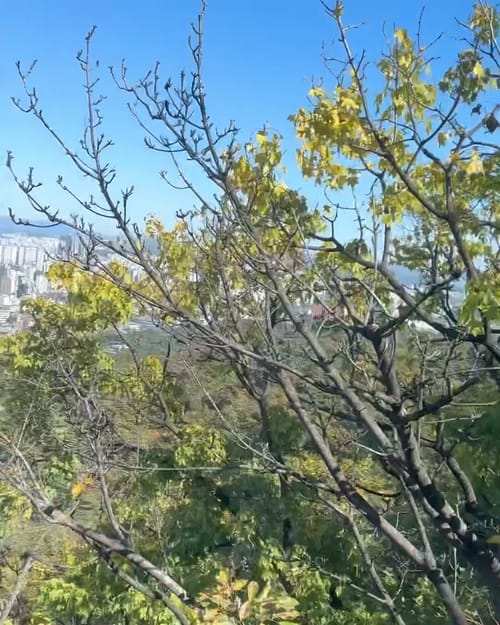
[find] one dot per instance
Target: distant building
(8, 281)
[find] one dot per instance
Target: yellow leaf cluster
(82, 486)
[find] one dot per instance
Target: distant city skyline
(25, 259)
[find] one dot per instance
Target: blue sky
(260, 59)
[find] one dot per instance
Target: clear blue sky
(261, 56)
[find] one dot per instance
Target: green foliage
(200, 447)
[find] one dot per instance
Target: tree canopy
(314, 440)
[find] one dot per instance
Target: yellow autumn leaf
(401, 35)
(475, 165)
(261, 137)
(252, 590)
(316, 92)
(478, 70)
(78, 489)
(82, 486)
(223, 577)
